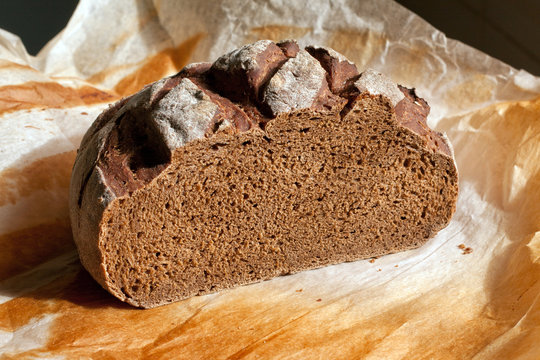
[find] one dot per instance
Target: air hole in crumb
(158, 254)
(305, 130)
(167, 205)
(407, 162)
(216, 146)
(248, 142)
(402, 217)
(139, 234)
(246, 196)
(267, 139)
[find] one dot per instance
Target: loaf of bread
(270, 161)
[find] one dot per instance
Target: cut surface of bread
(271, 161)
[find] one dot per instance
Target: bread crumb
(84, 113)
(299, 290)
(466, 249)
(372, 260)
(319, 300)
(396, 265)
(379, 269)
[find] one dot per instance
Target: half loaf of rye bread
(270, 161)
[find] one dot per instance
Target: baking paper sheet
(470, 292)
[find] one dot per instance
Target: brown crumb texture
(312, 190)
(205, 186)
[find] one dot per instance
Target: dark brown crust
(124, 150)
(134, 154)
(289, 47)
(238, 83)
(339, 72)
(412, 113)
(227, 109)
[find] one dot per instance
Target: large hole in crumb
(216, 146)
(407, 163)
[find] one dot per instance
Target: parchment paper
(471, 292)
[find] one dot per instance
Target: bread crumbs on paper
(466, 250)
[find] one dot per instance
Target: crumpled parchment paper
(471, 292)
